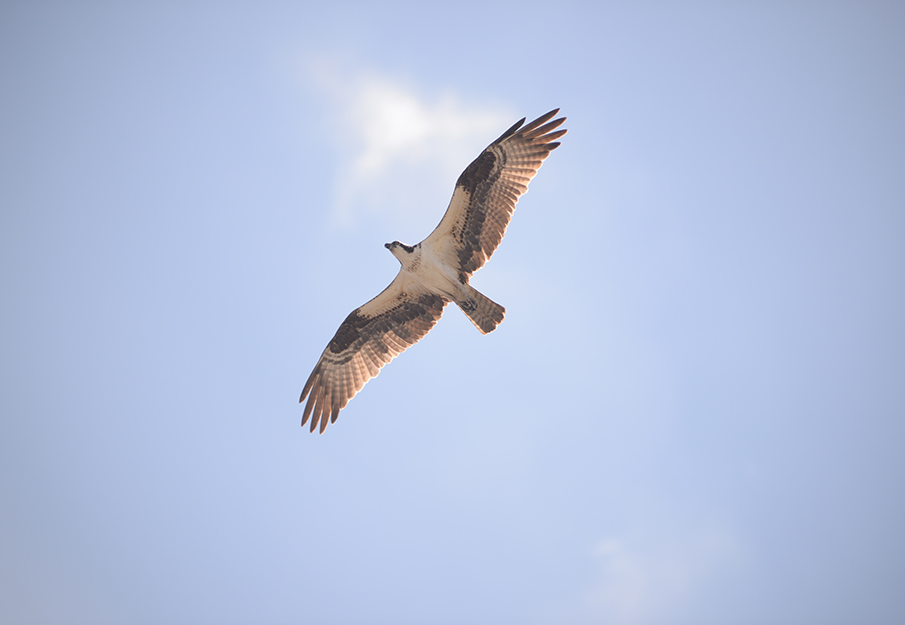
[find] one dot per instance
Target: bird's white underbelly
(436, 280)
(437, 277)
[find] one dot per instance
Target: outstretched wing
(370, 337)
(487, 191)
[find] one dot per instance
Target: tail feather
(483, 311)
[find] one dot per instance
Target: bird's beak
(388, 245)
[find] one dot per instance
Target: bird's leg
(468, 304)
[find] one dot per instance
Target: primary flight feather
(434, 272)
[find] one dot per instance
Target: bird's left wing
(370, 337)
(487, 191)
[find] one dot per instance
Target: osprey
(434, 272)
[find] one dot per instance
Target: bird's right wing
(370, 337)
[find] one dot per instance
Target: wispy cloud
(399, 148)
(660, 580)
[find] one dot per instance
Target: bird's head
(396, 247)
(402, 252)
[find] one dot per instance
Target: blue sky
(693, 412)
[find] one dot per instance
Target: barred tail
(483, 312)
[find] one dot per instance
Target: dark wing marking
(370, 337)
(487, 191)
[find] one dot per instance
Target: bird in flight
(434, 272)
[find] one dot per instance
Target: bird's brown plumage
(470, 231)
(487, 191)
(370, 337)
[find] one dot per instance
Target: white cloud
(400, 151)
(659, 580)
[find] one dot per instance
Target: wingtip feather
(539, 121)
(512, 130)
